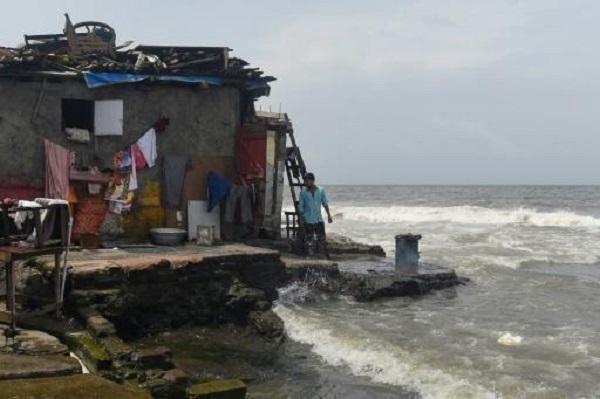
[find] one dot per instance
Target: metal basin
(168, 236)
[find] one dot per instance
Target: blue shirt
(310, 204)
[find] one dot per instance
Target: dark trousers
(318, 229)
(315, 228)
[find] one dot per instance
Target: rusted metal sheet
(251, 154)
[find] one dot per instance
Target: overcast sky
(399, 91)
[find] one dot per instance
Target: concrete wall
(203, 122)
(203, 125)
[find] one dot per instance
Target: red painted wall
(251, 153)
(20, 189)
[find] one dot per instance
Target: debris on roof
(91, 47)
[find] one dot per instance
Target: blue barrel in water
(407, 253)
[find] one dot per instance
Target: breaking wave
(315, 287)
(369, 356)
(467, 215)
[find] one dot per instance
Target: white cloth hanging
(147, 145)
(22, 216)
(133, 183)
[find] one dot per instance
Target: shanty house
(143, 129)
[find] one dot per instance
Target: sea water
(527, 326)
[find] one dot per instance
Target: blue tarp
(99, 79)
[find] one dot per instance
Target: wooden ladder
(295, 169)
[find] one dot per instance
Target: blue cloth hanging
(218, 189)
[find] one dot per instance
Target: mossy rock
(218, 389)
(93, 355)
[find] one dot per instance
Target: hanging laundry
(218, 189)
(57, 170)
(112, 225)
(231, 205)
(94, 188)
(118, 188)
(49, 215)
(22, 216)
(147, 145)
(115, 207)
(174, 168)
(245, 194)
(117, 159)
(140, 161)
(133, 184)
(90, 214)
(125, 159)
(239, 196)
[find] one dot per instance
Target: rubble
(73, 53)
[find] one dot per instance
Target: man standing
(311, 199)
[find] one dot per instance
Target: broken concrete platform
(367, 280)
(382, 283)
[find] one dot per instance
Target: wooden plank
(22, 253)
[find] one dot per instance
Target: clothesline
(159, 126)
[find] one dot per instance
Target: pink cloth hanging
(140, 161)
(57, 170)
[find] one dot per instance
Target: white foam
(374, 358)
(297, 292)
(467, 215)
(84, 369)
(510, 340)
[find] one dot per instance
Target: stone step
(154, 358)
(33, 342)
(22, 366)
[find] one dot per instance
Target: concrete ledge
(32, 342)
(18, 366)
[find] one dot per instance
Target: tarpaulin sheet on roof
(99, 79)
